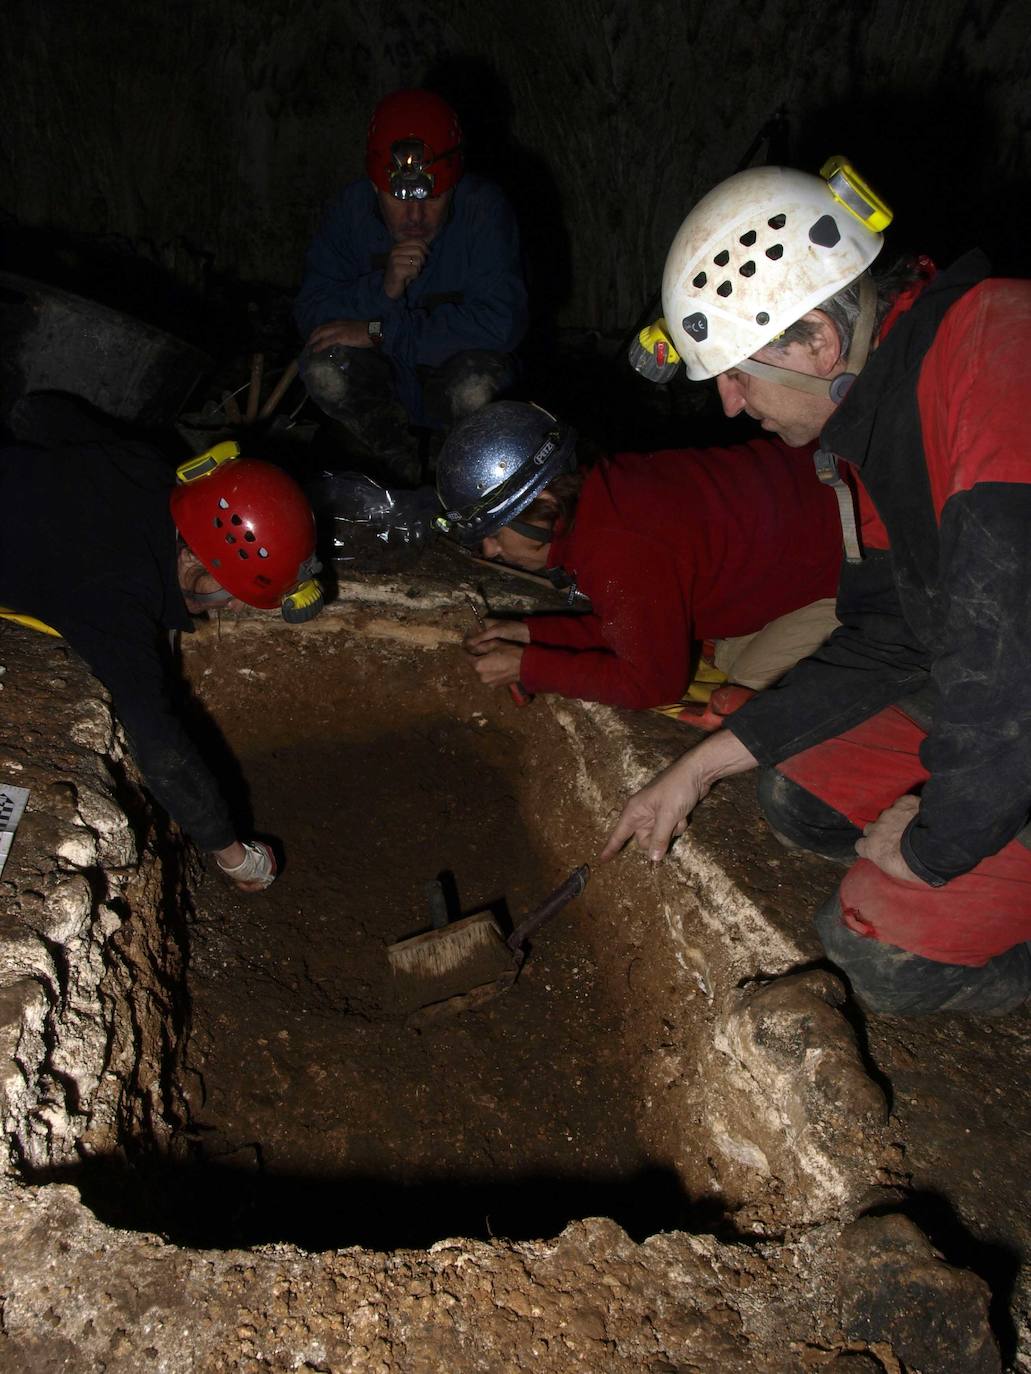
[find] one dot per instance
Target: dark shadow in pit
(998, 1265)
(207, 1206)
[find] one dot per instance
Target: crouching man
(904, 740)
(100, 545)
(413, 300)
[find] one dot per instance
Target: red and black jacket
(936, 431)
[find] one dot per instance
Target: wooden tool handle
(551, 906)
(254, 387)
(278, 391)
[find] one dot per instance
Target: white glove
(258, 866)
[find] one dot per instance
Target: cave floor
(294, 1032)
(536, 1077)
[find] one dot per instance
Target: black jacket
(88, 546)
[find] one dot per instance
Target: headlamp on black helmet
(493, 465)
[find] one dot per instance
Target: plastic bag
(365, 527)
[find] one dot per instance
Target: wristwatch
(376, 333)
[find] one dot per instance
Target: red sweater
(677, 547)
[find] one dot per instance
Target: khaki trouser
(758, 659)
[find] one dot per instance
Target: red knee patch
(862, 772)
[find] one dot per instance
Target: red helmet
(252, 528)
(414, 148)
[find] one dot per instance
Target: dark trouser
(357, 387)
(857, 923)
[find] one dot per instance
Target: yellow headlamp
(303, 603)
(652, 353)
(850, 190)
(205, 463)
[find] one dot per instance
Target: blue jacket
(470, 294)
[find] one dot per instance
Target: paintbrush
(467, 962)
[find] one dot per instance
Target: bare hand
(481, 641)
(353, 333)
(659, 811)
(881, 842)
(499, 666)
(404, 263)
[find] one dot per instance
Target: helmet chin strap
(540, 534)
(837, 388)
(218, 598)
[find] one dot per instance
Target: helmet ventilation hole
(775, 252)
(762, 317)
(777, 222)
(699, 281)
(825, 232)
(217, 523)
(722, 258)
(223, 504)
(236, 520)
(249, 536)
(242, 553)
(747, 239)
(230, 538)
(724, 289)
(263, 553)
(747, 269)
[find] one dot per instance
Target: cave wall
(209, 134)
(93, 903)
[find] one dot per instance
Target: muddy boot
(355, 387)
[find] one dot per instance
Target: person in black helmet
(660, 551)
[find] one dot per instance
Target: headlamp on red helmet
(414, 148)
(252, 528)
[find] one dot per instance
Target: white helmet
(759, 251)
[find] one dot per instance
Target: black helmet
(495, 462)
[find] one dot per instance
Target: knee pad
(340, 378)
(472, 379)
(896, 982)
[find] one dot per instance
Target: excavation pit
(644, 1155)
(318, 1114)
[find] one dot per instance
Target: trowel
(460, 965)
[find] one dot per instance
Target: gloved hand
(256, 872)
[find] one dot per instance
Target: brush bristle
(445, 951)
